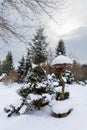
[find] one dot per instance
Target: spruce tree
(21, 69)
(39, 47)
(36, 76)
(7, 64)
(0, 68)
(60, 48)
(28, 64)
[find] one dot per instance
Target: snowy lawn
(42, 120)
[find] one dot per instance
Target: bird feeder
(59, 66)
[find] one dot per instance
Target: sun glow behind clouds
(71, 18)
(64, 28)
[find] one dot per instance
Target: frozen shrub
(58, 95)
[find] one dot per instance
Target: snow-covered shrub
(58, 95)
(24, 92)
(12, 110)
(36, 74)
(37, 91)
(52, 80)
(35, 97)
(69, 77)
(40, 103)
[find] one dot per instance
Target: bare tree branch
(25, 9)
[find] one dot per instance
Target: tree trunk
(63, 86)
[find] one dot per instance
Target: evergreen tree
(28, 64)
(35, 93)
(60, 48)
(69, 76)
(21, 69)
(37, 87)
(0, 68)
(37, 53)
(50, 56)
(7, 64)
(36, 76)
(39, 47)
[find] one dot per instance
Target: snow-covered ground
(42, 120)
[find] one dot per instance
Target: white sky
(71, 27)
(72, 17)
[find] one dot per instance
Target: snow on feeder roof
(61, 59)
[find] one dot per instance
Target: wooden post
(59, 69)
(59, 76)
(63, 86)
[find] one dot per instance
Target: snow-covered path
(42, 120)
(78, 99)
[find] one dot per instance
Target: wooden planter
(61, 115)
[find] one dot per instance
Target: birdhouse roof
(61, 59)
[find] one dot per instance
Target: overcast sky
(71, 27)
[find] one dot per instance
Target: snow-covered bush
(58, 95)
(36, 90)
(69, 76)
(52, 80)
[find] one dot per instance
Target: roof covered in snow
(61, 59)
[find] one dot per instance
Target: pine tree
(39, 47)
(28, 64)
(35, 93)
(0, 68)
(60, 48)
(37, 87)
(36, 76)
(21, 69)
(69, 76)
(38, 50)
(7, 64)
